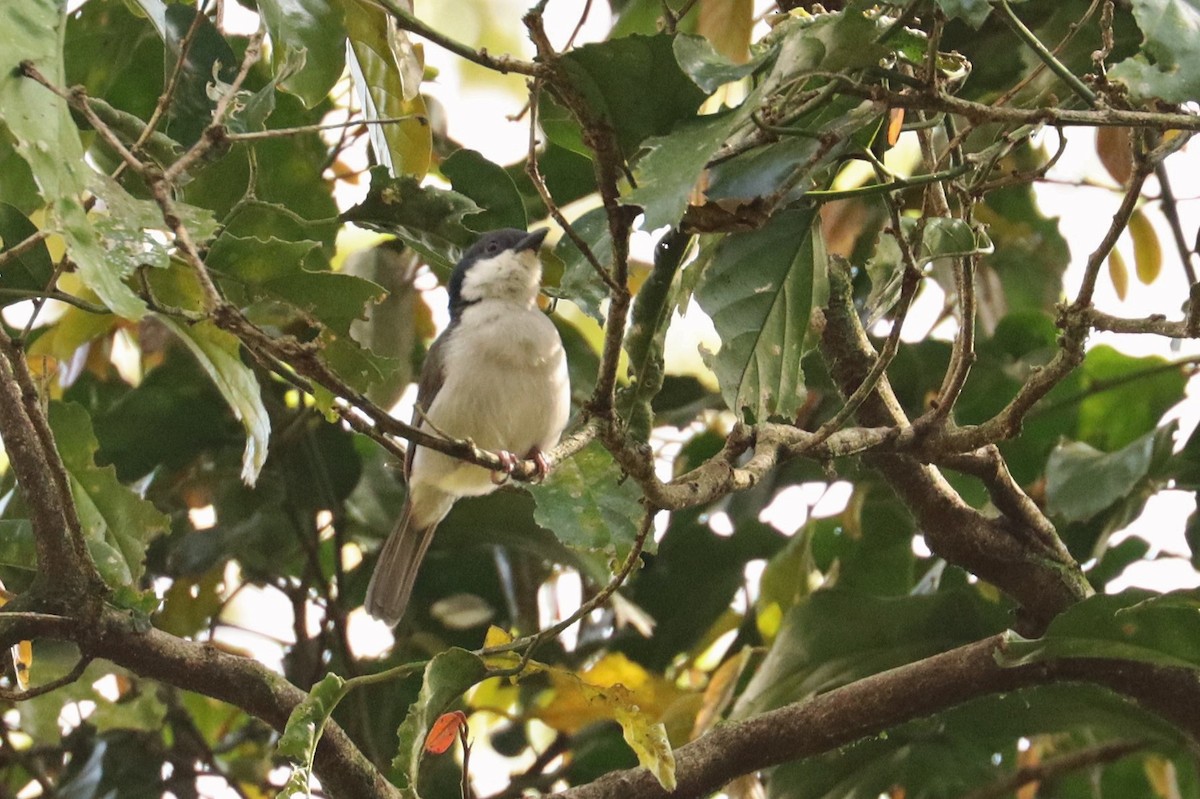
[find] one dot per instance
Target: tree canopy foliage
(196, 374)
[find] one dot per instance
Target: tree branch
(1040, 574)
(882, 701)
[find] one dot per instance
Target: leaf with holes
(759, 291)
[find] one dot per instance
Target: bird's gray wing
(432, 378)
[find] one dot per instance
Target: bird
(497, 375)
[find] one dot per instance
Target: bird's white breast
(505, 388)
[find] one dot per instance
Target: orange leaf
(443, 732)
(895, 125)
(1115, 149)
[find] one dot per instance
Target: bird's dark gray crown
(489, 246)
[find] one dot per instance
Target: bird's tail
(392, 583)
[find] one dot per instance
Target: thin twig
(529, 643)
(1047, 57)
(502, 64)
(215, 132)
(278, 133)
(533, 169)
(53, 685)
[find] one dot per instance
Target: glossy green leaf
(30, 271)
(587, 503)
(427, 219)
(635, 85)
(219, 354)
(490, 187)
(47, 139)
(387, 73)
(449, 674)
(1139, 625)
(313, 27)
(210, 60)
(668, 173)
(1081, 481)
(759, 291)
(1168, 64)
(108, 511)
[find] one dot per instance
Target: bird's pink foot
(508, 463)
(543, 465)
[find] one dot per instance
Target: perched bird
(497, 375)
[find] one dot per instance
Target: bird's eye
(493, 247)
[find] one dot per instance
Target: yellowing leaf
(1162, 776)
(1147, 252)
(727, 24)
(1118, 273)
(719, 693)
(496, 637)
(649, 742)
(577, 700)
(22, 653)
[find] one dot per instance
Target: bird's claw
(541, 465)
(508, 464)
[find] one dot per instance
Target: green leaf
(587, 503)
(30, 271)
(707, 68)
(219, 355)
(315, 28)
(387, 75)
(1124, 397)
(17, 549)
(47, 139)
(946, 237)
(656, 300)
(209, 59)
(1161, 629)
(667, 174)
(303, 730)
(1081, 481)
(758, 289)
(833, 638)
(108, 511)
(635, 85)
(975, 12)
(427, 219)
(1168, 65)
(131, 229)
(448, 675)
(580, 284)
(253, 270)
(490, 187)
